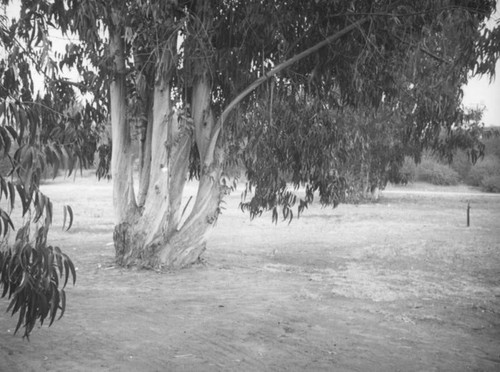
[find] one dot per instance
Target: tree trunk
(148, 232)
(121, 169)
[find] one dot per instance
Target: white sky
(483, 93)
(480, 92)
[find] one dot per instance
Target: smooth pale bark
(186, 245)
(123, 191)
(153, 237)
(178, 246)
(169, 153)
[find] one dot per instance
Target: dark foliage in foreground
(33, 276)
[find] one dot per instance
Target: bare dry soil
(397, 285)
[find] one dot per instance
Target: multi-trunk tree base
(131, 250)
(155, 238)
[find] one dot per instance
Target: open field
(398, 285)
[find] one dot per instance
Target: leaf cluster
(305, 145)
(40, 130)
(33, 276)
(40, 133)
(29, 198)
(30, 270)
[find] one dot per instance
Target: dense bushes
(461, 164)
(487, 167)
(491, 183)
(484, 174)
(408, 172)
(432, 171)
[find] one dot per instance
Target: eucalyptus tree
(209, 78)
(271, 86)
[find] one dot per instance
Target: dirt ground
(398, 285)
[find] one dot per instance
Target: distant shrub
(461, 164)
(492, 144)
(491, 183)
(408, 171)
(488, 167)
(432, 171)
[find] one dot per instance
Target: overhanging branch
(268, 75)
(283, 66)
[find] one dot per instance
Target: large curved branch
(267, 76)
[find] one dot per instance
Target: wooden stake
(468, 214)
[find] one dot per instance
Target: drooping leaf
(12, 131)
(6, 222)
(12, 194)
(24, 198)
(54, 305)
(63, 303)
(68, 215)
(22, 314)
(4, 191)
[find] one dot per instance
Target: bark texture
(148, 229)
